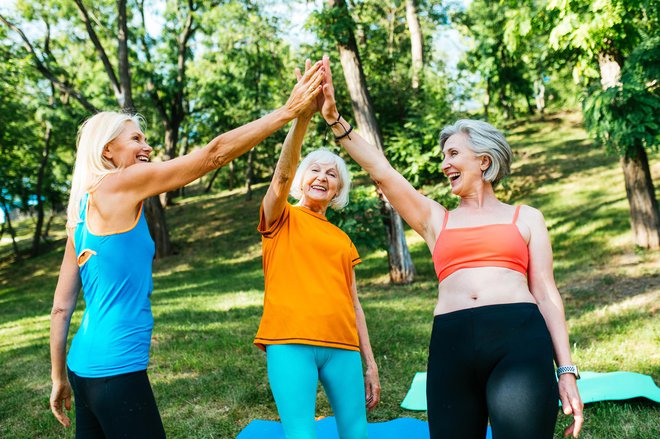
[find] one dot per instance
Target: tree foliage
(626, 116)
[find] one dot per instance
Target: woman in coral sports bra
(499, 319)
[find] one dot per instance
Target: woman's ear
(485, 163)
(106, 152)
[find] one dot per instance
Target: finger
(328, 72)
(316, 79)
(578, 420)
(569, 430)
(308, 64)
(310, 73)
(67, 402)
(59, 414)
(298, 74)
(327, 92)
(565, 404)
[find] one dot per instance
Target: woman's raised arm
(420, 212)
(277, 193)
(144, 180)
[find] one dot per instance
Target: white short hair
(485, 140)
(324, 156)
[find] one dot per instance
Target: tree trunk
(12, 233)
(46, 232)
(154, 209)
(401, 266)
(126, 99)
(644, 214)
(36, 240)
(171, 140)
(416, 46)
(249, 174)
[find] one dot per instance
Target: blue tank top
(115, 332)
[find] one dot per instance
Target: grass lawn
(210, 381)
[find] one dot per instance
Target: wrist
(371, 365)
(568, 369)
(331, 116)
(285, 113)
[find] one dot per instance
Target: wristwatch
(571, 368)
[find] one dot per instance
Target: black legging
(119, 406)
(491, 362)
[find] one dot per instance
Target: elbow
(60, 313)
(217, 156)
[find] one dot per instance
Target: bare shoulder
(531, 216)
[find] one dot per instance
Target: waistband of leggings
(486, 309)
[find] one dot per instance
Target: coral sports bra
(492, 245)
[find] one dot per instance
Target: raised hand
(306, 90)
(328, 104)
(316, 104)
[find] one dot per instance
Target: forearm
(59, 329)
(552, 310)
(369, 156)
(236, 142)
(290, 155)
(363, 336)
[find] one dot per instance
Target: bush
(362, 219)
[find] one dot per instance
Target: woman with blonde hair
(109, 254)
(313, 326)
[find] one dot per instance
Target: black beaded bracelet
(346, 134)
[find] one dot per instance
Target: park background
(572, 83)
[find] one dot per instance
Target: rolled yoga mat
(326, 428)
(593, 387)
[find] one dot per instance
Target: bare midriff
(481, 286)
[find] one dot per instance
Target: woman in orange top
(313, 326)
(499, 318)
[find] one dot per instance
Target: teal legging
(294, 371)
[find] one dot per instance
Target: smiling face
(320, 183)
(129, 147)
(461, 165)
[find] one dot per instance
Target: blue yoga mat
(593, 386)
(326, 428)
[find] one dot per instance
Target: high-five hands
(306, 90)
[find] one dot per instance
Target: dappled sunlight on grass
(24, 332)
(621, 336)
(209, 378)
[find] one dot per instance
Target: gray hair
(324, 156)
(484, 140)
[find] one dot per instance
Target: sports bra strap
(515, 215)
(444, 220)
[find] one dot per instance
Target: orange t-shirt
(308, 269)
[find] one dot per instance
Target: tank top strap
(444, 220)
(515, 215)
(83, 206)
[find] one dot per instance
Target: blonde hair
(91, 166)
(324, 156)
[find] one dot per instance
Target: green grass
(210, 381)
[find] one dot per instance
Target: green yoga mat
(593, 387)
